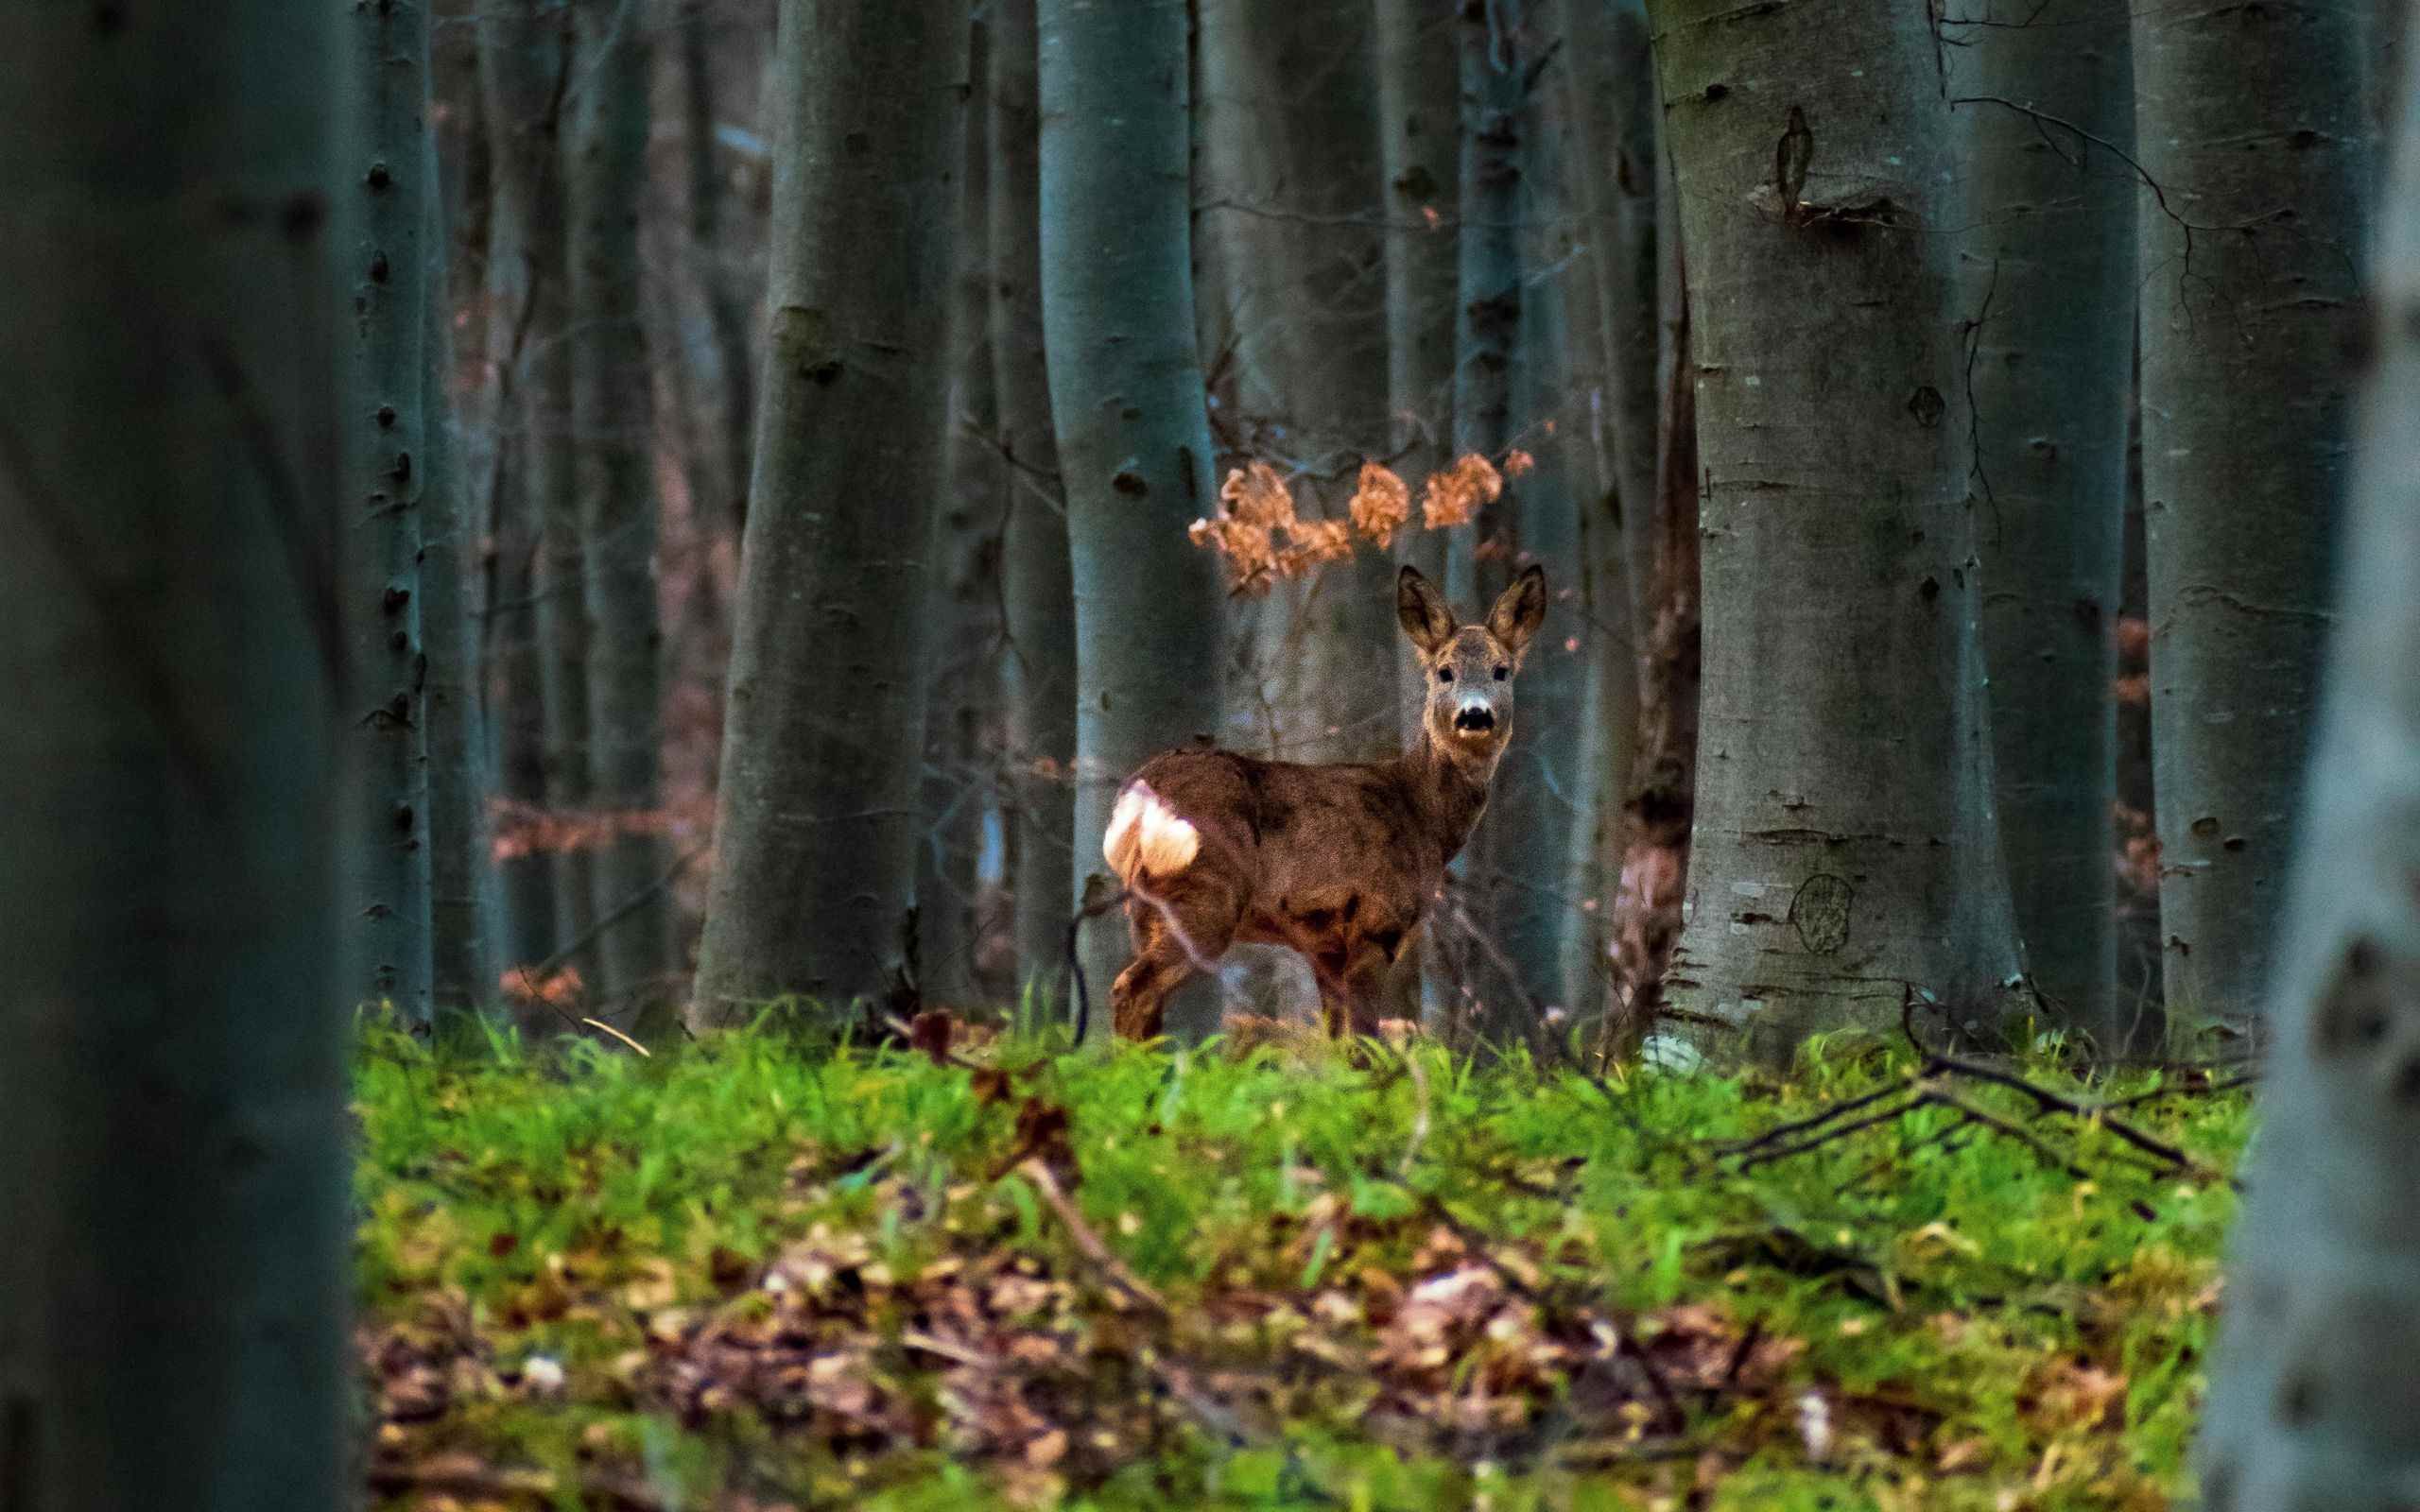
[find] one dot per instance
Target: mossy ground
(757, 1274)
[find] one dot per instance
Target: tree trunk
(2046, 301)
(730, 380)
(611, 410)
(2312, 1399)
(525, 64)
(1126, 393)
(961, 712)
(462, 901)
(2250, 121)
(1420, 157)
(817, 825)
(1845, 851)
(1612, 84)
(172, 1157)
(1037, 599)
(380, 537)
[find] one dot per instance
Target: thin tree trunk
(525, 69)
(816, 827)
(1126, 392)
(386, 416)
(1037, 597)
(172, 1160)
(2312, 1398)
(962, 708)
(463, 901)
(1612, 84)
(611, 410)
(2250, 120)
(2048, 294)
(1845, 849)
(731, 378)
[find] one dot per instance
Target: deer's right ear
(1425, 615)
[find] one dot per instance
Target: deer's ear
(1520, 611)
(1425, 615)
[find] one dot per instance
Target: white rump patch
(1146, 837)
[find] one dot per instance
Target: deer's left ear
(1520, 610)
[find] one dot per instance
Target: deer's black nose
(1476, 716)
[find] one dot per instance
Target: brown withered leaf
(930, 1032)
(1518, 462)
(1256, 494)
(1455, 496)
(1381, 503)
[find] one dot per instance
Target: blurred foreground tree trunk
(614, 446)
(2313, 1400)
(816, 821)
(1036, 597)
(2253, 139)
(2047, 291)
(172, 1160)
(1845, 849)
(386, 420)
(1126, 393)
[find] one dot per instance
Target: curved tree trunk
(463, 901)
(1036, 595)
(2047, 297)
(1126, 393)
(2250, 119)
(172, 1156)
(611, 413)
(380, 537)
(817, 823)
(524, 65)
(1846, 853)
(2312, 1399)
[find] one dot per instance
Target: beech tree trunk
(962, 707)
(1126, 394)
(1846, 853)
(2046, 290)
(1036, 595)
(816, 824)
(381, 524)
(611, 423)
(730, 400)
(2251, 126)
(2312, 1399)
(172, 411)
(462, 898)
(524, 65)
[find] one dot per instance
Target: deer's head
(1469, 668)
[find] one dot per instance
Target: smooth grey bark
(1844, 851)
(729, 402)
(1611, 85)
(817, 820)
(463, 883)
(2251, 126)
(2313, 1402)
(1420, 158)
(963, 688)
(172, 1158)
(525, 64)
(1126, 394)
(386, 849)
(2047, 292)
(1291, 194)
(612, 409)
(1037, 597)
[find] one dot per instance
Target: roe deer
(1338, 862)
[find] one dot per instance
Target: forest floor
(744, 1277)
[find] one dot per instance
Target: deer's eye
(1444, 674)
(1503, 673)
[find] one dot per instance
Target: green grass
(756, 1276)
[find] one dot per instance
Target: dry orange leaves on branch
(1264, 539)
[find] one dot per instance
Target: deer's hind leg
(1177, 933)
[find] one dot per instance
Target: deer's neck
(1450, 788)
